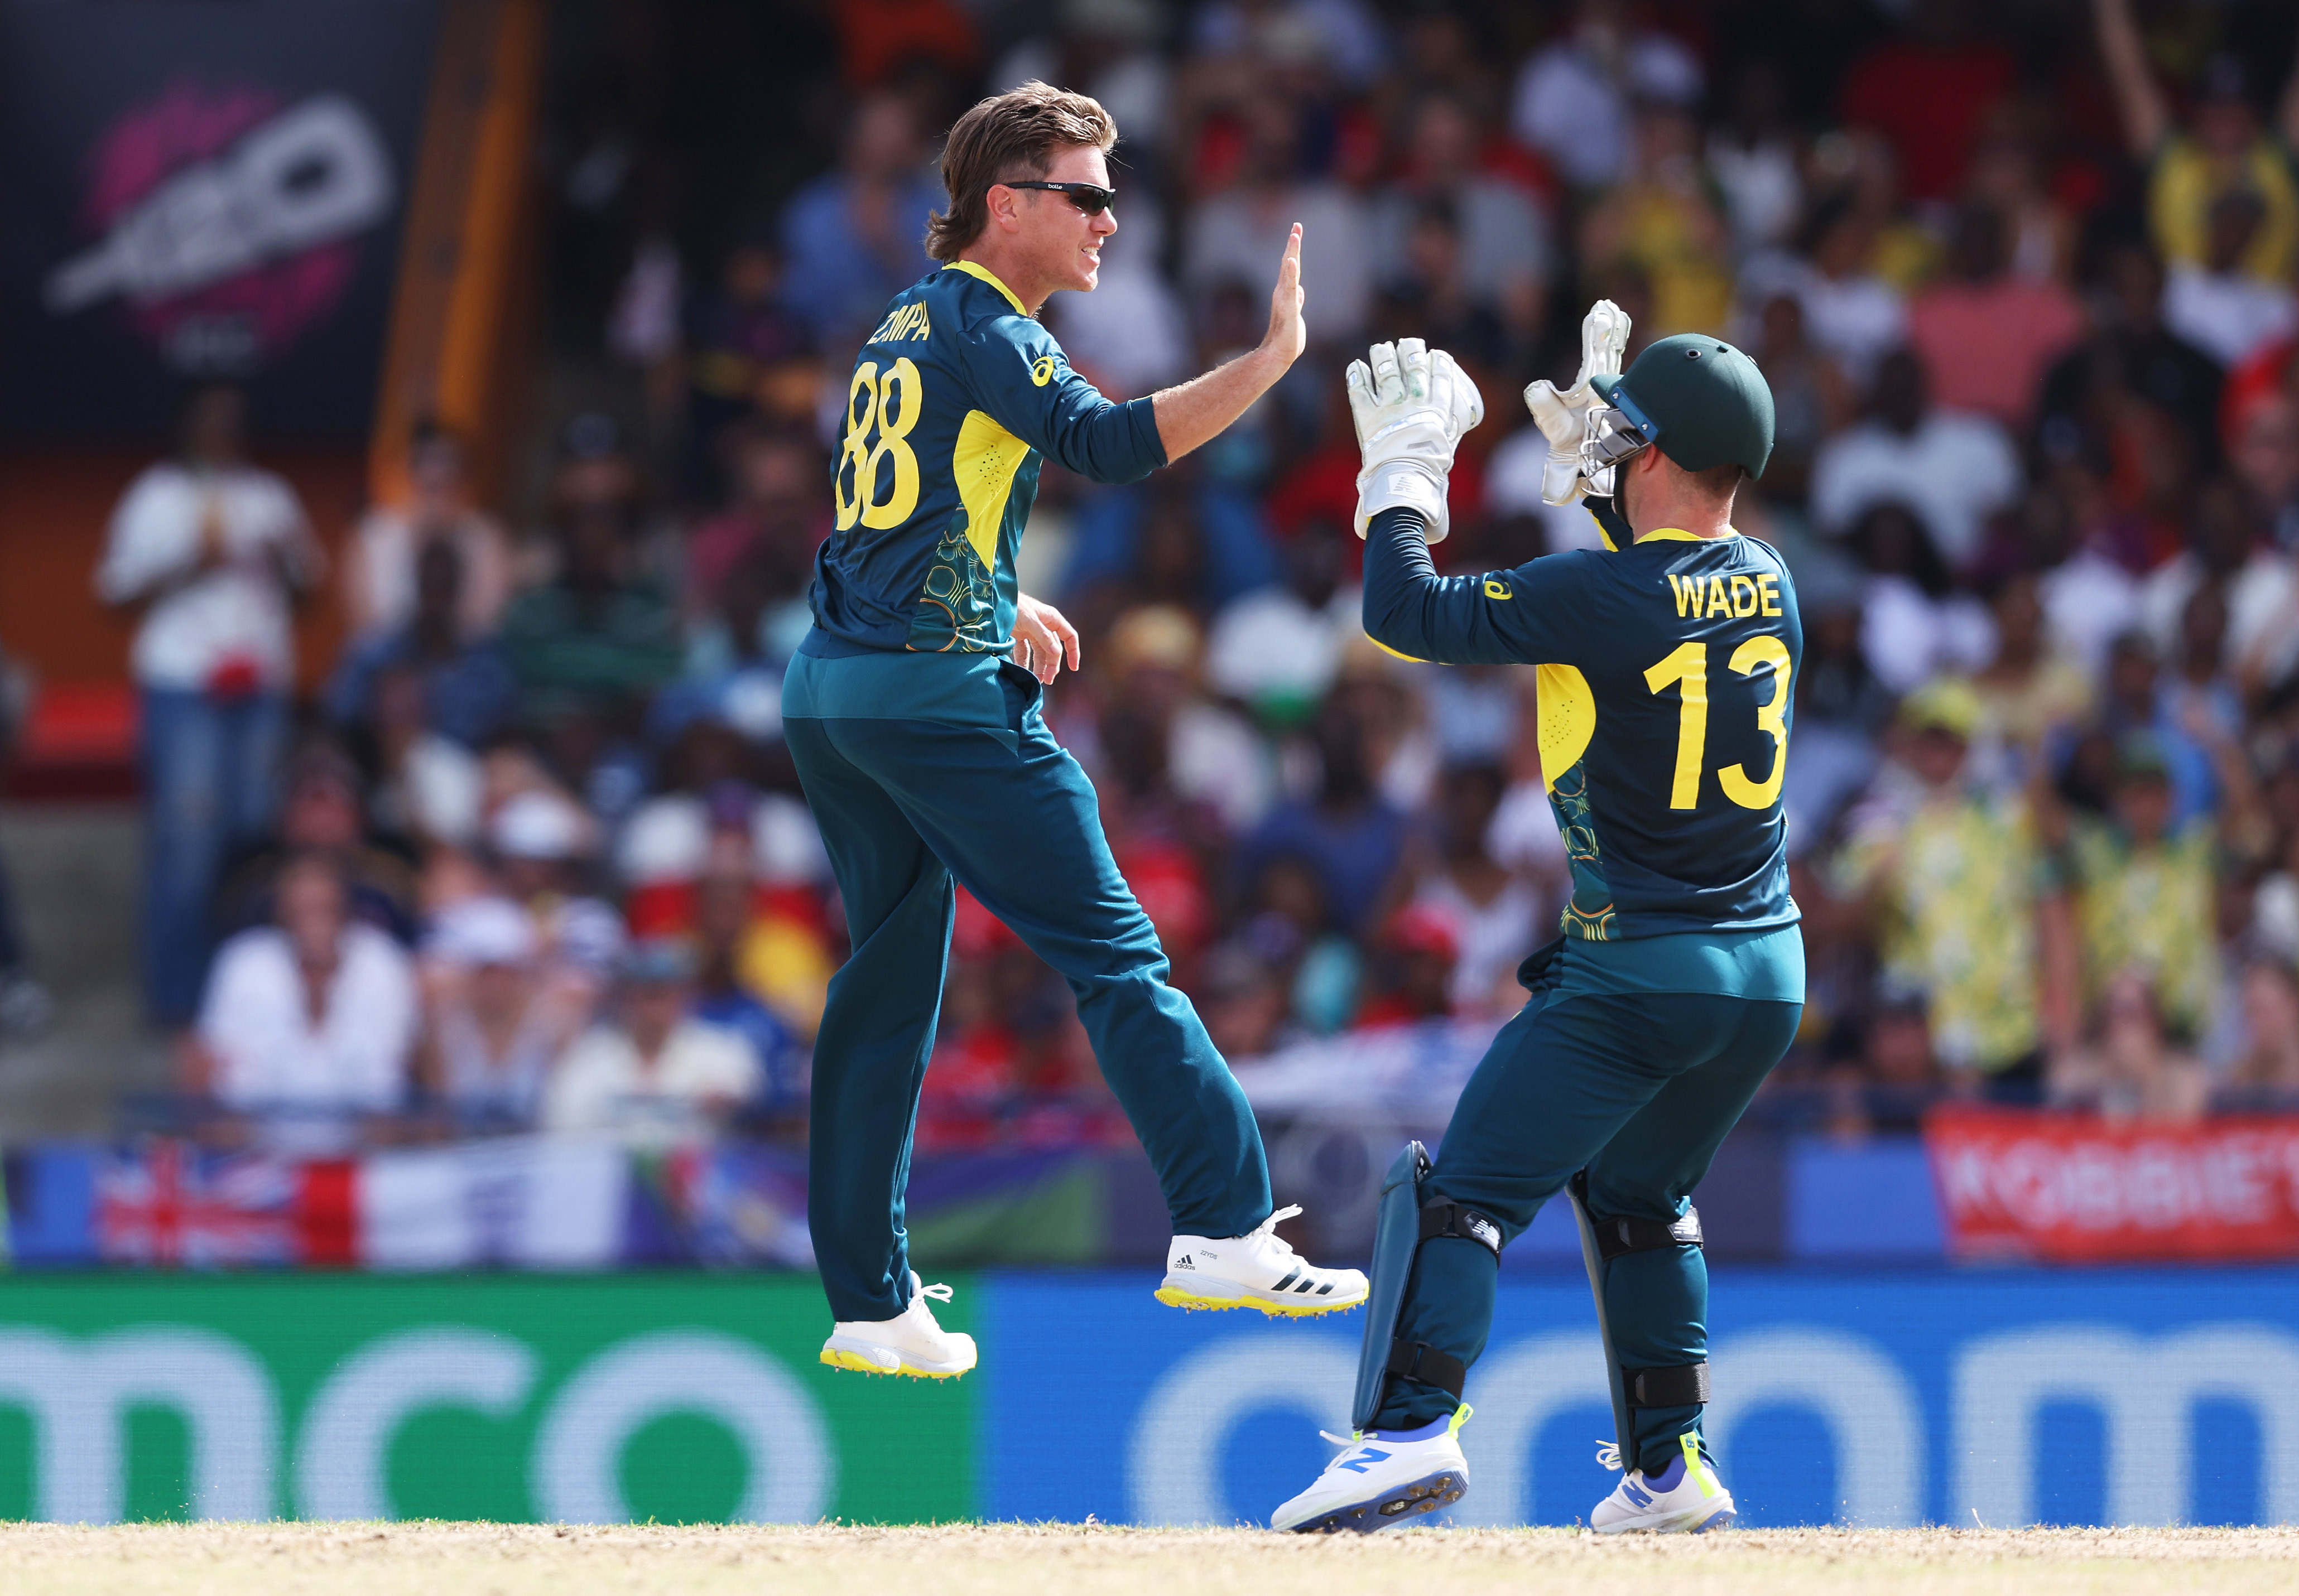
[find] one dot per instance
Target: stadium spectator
(743, 352)
(1659, 222)
(1572, 99)
(383, 567)
(496, 1022)
(1501, 257)
(1234, 234)
(1953, 469)
(1854, 316)
(2214, 304)
(306, 1026)
(854, 236)
(214, 550)
(2128, 1067)
(467, 691)
(1493, 915)
(1953, 881)
(1987, 334)
(2219, 151)
(653, 1076)
(588, 645)
(2128, 357)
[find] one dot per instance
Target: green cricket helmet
(1697, 400)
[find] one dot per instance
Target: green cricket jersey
(1666, 677)
(955, 399)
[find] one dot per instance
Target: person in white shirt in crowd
(1753, 160)
(1954, 469)
(379, 568)
(213, 550)
(652, 1077)
(2214, 304)
(1232, 235)
(541, 846)
(1571, 99)
(1852, 315)
(497, 1021)
(307, 1024)
(2226, 547)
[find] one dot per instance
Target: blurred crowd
(2025, 296)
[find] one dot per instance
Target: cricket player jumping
(1665, 666)
(912, 710)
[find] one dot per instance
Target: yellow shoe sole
(860, 1365)
(1308, 1308)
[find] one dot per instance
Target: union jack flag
(167, 1203)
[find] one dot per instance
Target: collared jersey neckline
(974, 270)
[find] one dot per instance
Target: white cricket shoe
(1683, 1498)
(909, 1344)
(1382, 1478)
(1259, 1270)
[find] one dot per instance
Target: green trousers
(1640, 1091)
(906, 805)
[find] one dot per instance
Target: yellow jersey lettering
(926, 322)
(1768, 595)
(1718, 604)
(1495, 588)
(1686, 589)
(1743, 597)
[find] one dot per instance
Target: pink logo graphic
(226, 222)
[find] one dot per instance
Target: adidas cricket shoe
(1382, 1478)
(1685, 1497)
(1259, 1270)
(909, 1344)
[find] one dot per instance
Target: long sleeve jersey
(1666, 677)
(956, 399)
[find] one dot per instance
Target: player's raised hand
(1044, 641)
(1563, 418)
(1288, 334)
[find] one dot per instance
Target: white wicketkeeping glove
(1411, 406)
(1563, 418)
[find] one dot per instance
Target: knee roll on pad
(1406, 1224)
(1603, 1238)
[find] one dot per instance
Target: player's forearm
(1410, 610)
(1201, 410)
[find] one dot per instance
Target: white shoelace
(1268, 1227)
(937, 1292)
(1608, 1455)
(1339, 1440)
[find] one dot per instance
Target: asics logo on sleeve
(1042, 370)
(1495, 588)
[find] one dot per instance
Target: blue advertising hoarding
(1867, 1398)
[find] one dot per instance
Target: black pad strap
(1418, 1361)
(1450, 1218)
(1680, 1385)
(1617, 1233)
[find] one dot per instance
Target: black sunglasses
(1089, 197)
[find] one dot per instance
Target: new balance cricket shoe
(1382, 1478)
(1685, 1497)
(909, 1344)
(1259, 1270)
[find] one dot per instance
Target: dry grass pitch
(490, 1559)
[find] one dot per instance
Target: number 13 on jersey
(1688, 667)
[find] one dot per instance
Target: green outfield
(377, 1559)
